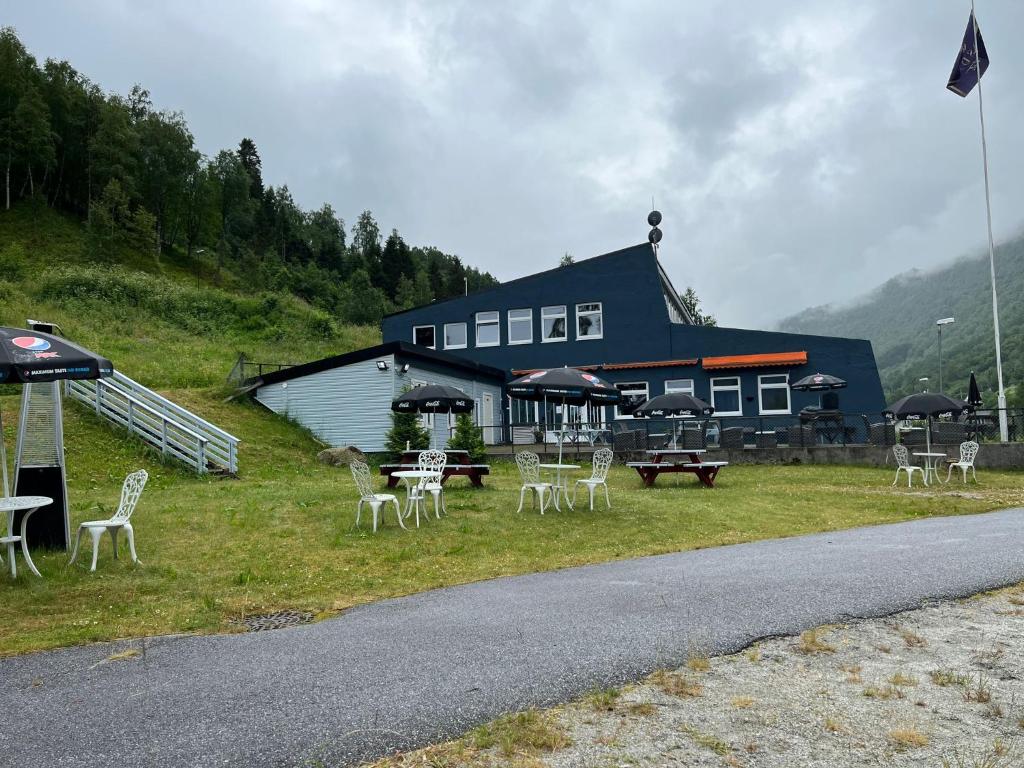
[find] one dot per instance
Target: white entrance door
(487, 418)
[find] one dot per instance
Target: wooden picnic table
(665, 460)
(458, 465)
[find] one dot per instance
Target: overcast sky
(800, 152)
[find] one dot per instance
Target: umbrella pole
(3, 457)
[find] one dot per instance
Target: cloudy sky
(800, 152)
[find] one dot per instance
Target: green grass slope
(899, 319)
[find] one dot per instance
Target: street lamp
(924, 382)
(938, 325)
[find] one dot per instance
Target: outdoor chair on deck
(903, 465)
(968, 452)
(529, 469)
(130, 493)
(361, 474)
(602, 462)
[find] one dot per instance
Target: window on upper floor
(726, 396)
(589, 323)
(679, 385)
(520, 326)
(773, 394)
(552, 321)
(424, 336)
(455, 336)
(488, 329)
(634, 393)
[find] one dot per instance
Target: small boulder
(341, 457)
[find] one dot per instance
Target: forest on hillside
(131, 173)
(899, 319)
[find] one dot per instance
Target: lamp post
(924, 383)
(938, 325)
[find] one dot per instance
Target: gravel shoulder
(939, 686)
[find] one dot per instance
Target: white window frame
(762, 386)
(528, 319)
(432, 330)
(561, 313)
(599, 311)
(426, 419)
(685, 388)
(496, 322)
(738, 389)
(635, 387)
(465, 331)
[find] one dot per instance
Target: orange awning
(756, 361)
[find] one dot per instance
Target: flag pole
(1001, 402)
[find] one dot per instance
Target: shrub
(467, 438)
(406, 429)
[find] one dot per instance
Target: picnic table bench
(458, 464)
(706, 471)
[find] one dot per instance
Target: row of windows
(519, 327)
(726, 395)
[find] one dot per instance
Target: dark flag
(964, 76)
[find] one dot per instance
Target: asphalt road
(407, 672)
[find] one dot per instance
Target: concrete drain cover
(276, 620)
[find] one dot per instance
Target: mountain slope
(899, 319)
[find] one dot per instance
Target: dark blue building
(618, 314)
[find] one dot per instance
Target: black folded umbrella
(973, 393)
(674, 404)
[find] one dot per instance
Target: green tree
(396, 263)
(467, 437)
(406, 433)
(566, 260)
(692, 303)
(366, 303)
(253, 166)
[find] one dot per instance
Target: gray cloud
(799, 154)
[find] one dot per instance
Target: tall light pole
(939, 324)
(924, 383)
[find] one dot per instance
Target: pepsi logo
(31, 343)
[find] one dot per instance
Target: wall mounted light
(405, 368)
(382, 365)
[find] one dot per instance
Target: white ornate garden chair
(968, 452)
(130, 493)
(903, 465)
(529, 469)
(361, 474)
(432, 461)
(602, 462)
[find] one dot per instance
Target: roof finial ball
(654, 236)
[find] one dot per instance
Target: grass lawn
(282, 535)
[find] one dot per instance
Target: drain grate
(276, 620)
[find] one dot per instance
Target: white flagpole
(1001, 402)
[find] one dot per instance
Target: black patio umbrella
(33, 356)
(818, 382)
(433, 398)
(927, 405)
(973, 393)
(674, 404)
(569, 386)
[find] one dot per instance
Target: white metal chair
(361, 474)
(903, 465)
(529, 469)
(130, 493)
(602, 462)
(432, 461)
(968, 452)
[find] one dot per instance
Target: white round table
(931, 463)
(410, 477)
(11, 505)
(561, 485)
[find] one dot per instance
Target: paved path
(406, 672)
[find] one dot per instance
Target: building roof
(756, 361)
(403, 348)
(617, 366)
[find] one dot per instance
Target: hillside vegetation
(899, 319)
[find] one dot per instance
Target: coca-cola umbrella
(433, 398)
(973, 393)
(818, 382)
(927, 405)
(674, 404)
(29, 357)
(568, 386)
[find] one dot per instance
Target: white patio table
(11, 505)
(931, 463)
(410, 477)
(561, 484)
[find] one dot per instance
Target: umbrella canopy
(818, 382)
(674, 404)
(31, 356)
(433, 398)
(564, 385)
(924, 405)
(973, 393)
